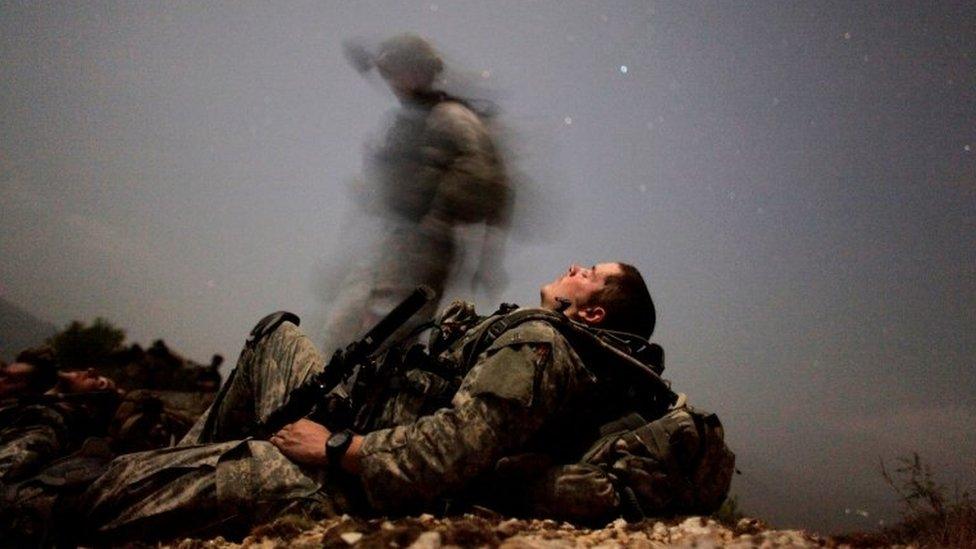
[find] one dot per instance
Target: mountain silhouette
(19, 329)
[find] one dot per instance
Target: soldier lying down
(515, 419)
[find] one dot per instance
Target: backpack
(675, 464)
(664, 458)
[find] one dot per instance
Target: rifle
(321, 398)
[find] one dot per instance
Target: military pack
(661, 455)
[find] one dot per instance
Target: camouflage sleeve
(36, 437)
(522, 381)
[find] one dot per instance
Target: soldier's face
(577, 285)
(83, 381)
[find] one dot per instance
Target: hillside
(20, 329)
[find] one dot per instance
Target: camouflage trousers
(24, 447)
(216, 480)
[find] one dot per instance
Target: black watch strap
(336, 447)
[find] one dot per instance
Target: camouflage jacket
(548, 421)
(36, 431)
(437, 160)
(520, 396)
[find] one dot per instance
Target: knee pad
(269, 324)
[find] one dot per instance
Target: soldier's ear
(592, 315)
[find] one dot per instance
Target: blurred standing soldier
(436, 168)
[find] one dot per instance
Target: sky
(797, 182)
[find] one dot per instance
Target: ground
(428, 532)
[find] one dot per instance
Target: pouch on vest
(678, 463)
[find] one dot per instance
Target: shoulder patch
(509, 374)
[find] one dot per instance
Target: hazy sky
(797, 181)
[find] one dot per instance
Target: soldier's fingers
(281, 444)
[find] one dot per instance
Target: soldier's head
(83, 381)
(34, 371)
(409, 64)
(608, 295)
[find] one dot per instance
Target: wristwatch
(336, 447)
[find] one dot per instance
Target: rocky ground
(428, 532)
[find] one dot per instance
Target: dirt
(428, 532)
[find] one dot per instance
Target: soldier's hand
(303, 442)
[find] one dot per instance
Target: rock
(694, 526)
(747, 525)
(526, 542)
(427, 540)
(508, 528)
(351, 537)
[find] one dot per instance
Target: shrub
(80, 346)
(930, 517)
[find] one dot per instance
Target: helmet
(408, 53)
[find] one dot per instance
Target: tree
(81, 346)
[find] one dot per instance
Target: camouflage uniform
(30, 437)
(215, 479)
(48, 447)
(516, 398)
(35, 431)
(517, 394)
(436, 168)
(146, 420)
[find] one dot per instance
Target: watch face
(338, 440)
(336, 446)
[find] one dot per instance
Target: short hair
(45, 363)
(627, 302)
